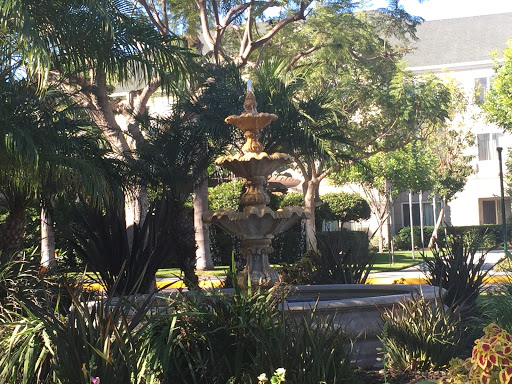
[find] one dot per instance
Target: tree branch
(139, 108)
(371, 59)
(300, 55)
(251, 46)
(203, 14)
(163, 27)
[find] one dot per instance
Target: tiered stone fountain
(355, 307)
(257, 224)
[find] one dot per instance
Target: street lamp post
(503, 215)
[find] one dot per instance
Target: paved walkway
(415, 274)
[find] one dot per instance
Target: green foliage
(49, 149)
(345, 259)
(128, 263)
(236, 337)
(421, 335)
(102, 36)
(402, 239)
(344, 207)
(45, 342)
(498, 100)
(497, 306)
(292, 199)
(225, 195)
(195, 338)
(453, 167)
(411, 167)
(491, 235)
(457, 268)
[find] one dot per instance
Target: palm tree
(180, 149)
(85, 47)
(48, 150)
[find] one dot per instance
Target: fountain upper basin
(253, 164)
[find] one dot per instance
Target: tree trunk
(421, 221)
(381, 238)
(47, 237)
(438, 225)
(309, 203)
(135, 209)
(391, 231)
(411, 223)
(11, 233)
(202, 236)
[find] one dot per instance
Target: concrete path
(415, 274)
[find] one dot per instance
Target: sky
(449, 9)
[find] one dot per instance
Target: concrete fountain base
(355, 308)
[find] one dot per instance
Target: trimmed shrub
(344, 207)
(354, 245)
(402, 240)
(225, 195)
(343, 258)
(291, 199)
(491, 234)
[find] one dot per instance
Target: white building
(461, 49)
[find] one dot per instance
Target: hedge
(289, 246)
(492, 235)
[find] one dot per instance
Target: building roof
(461, 40)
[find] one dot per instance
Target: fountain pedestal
(257, 271)
(257, 224)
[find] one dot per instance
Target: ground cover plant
(490, 361)
(420, 335)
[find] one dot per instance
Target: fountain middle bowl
(256, 223)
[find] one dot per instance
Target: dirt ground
(365, 376)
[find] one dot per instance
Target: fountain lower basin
(356, 308)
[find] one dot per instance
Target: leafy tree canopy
(344, 207)
(498, 101)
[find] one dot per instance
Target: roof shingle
(462, 40)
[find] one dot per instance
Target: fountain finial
(250, 104)
(251, 122)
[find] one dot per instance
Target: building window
(487, 144)
(490, 210)
(480, 88)
(490, 214)
(428, 213)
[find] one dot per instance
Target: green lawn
(403, 259)
(175, 272)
